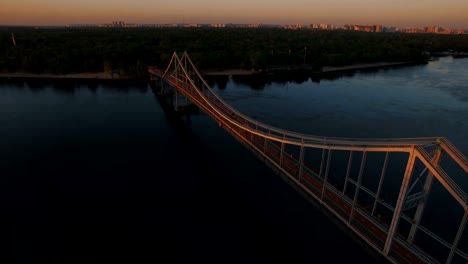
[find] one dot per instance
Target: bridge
(381, 193)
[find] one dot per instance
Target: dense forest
(129, 50)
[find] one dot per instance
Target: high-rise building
(378, 28)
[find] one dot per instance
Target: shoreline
(360, 66)
(325, 69)
(228, 72)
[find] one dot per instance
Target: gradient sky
(448, 13)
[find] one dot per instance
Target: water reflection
(12, 82)
(219, 81)
(260, 81)
(71, 86)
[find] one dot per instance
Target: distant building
(168, 25)
(365, 28)
(458, 31)
(218, 25)
(151, 25)
(82, 25)
(434, 29)
(118, 23)
(192, 25)
(132, 25)
(378, 28)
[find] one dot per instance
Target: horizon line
(230, 23)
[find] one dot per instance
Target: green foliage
(130, 50)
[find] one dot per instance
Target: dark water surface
(97, 173)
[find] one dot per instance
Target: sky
(447, 13)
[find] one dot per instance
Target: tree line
(129, 50)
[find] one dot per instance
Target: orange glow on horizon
(450, 13)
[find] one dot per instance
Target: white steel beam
(382, 176)
(422, 205)
(454, 153)
(321, 162)
(443, 178)
(358, 185)
(348, 171)
(326, 173)
(301, 163)
(400, 202)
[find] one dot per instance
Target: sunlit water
(96, 172)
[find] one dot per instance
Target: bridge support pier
(401, 199)
(155, 80)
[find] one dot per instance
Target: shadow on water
(70, 86)
(257, 81)
(180, 124)
(218, 81)
(261, 80)
(12, 82)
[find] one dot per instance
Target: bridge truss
(399, 223)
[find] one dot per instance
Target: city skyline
(449, 13)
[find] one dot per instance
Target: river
(96, 172)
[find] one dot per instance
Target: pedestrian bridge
(382, 193)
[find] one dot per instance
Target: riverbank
(325, 69)
(364, 66)
(227, 72)
(450, 53)
(84, 75)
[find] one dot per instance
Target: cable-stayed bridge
(382, 191)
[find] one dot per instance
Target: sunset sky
(448, 13)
